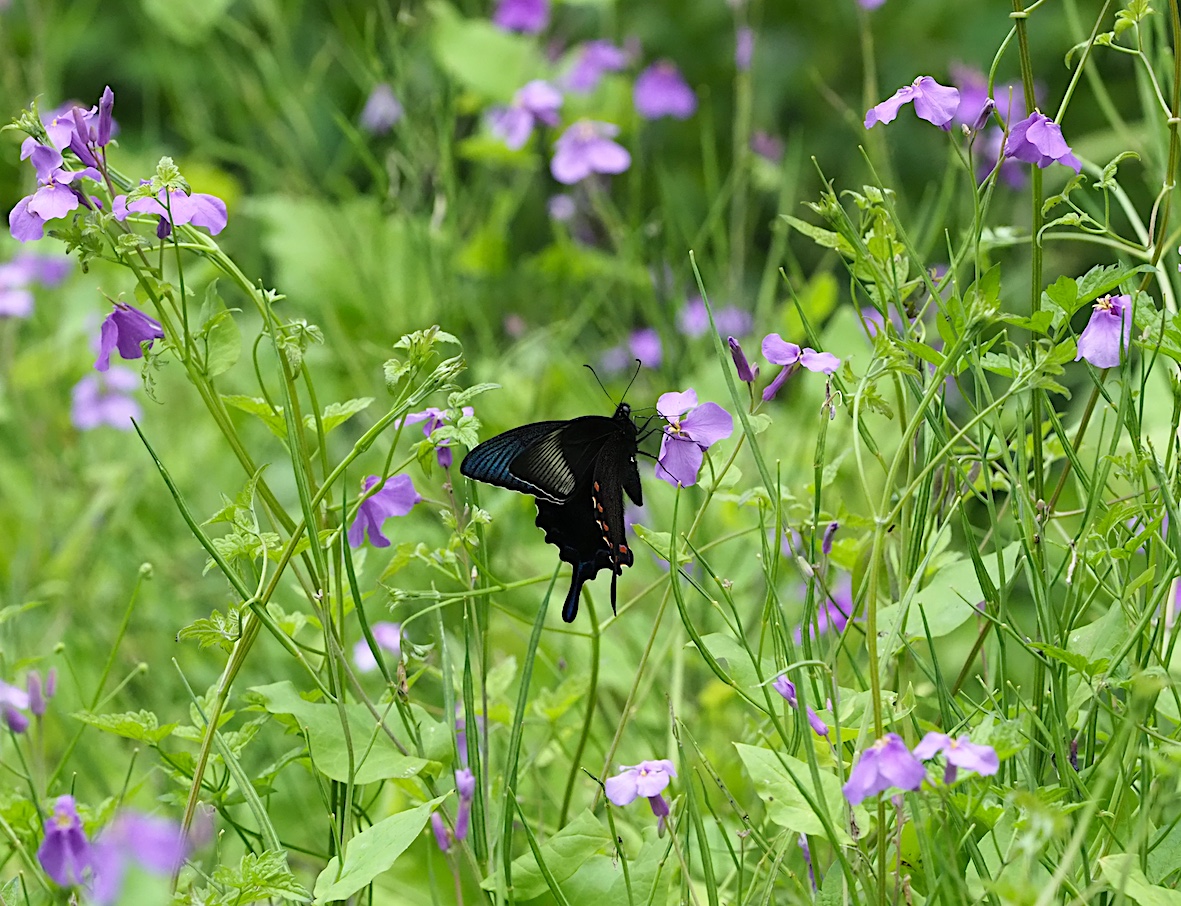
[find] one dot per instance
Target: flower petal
(778, 351)
(707, 424)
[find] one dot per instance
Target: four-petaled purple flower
(382, 110)
(528, 16)
(960, 753)
(648, 779)
(688, 436)
(933, 102)
(19, 274)
(176, 209)
(388, 637)
(585, 148)
(885, 764)
(780, 352)
(594, 59)
(105, 399)
(56, 196)
(465, 786)
(436, 418)
(1108, 333)
(661, 90)
(536, 102)
(14, 701)
(126, 329)
(155, 844)
(787, 689)
(1037, 139)
(396, 497)
(65, 853)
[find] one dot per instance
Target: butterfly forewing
(491, 461)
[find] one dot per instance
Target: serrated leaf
(138, 725)
(563, 854)
(216, 629)
(461, 398)
(255, 878)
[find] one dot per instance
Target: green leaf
(219, 336)
(272, 418)
(481, 57)
(1122, 873)
(563, 854)
(661, 543)
(786, 805)
(336, 414)
(256, 878)
(139, 725)
(461, 398)
(822, 237)
(217, 630)
(371, 852)
(374, 753)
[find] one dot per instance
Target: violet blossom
(536, 102)
(780, 352)
(767, 146)
(826, 543)
(586, 147)
(744, 48)
(594, 59)
(175, 209)
(155, 844)
(465, 786)
(126, 329)
(436, 418)
(396, 497)
(787, 689)
(885, 764)
(18, 276)
(1037, 139)
(661, 90)
(382, 110)
(14, 701)
(105, 399)
(65, 854)
(933, 102)
(648, 779)
(439, 828)
(834, 610)
(691, 430)
(1109, 332)
(527, 16)
(693, 320)
(56, 195)
(645, 345)
(388, 637)
(959, 753)
(870, 4)
(745, 373)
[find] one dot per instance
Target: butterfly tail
(582, 572)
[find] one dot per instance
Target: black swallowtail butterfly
(578, 470)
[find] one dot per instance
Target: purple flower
(780, 352)
(155, 844)
(382, 110)
(693, 320)
(991, 152)
(744, 48)
(594, 59)
(442, 835)
(1108, 333)
(767, 146)
(465, 786)
(687, 437)
(960, 753)
(1037, 139)
(126, 329)
(803, 840)
(661, 90)
(65, 853)
(826, 543)
(387, 635)
(17, 275)
(13, 702)
(38, 699)
(787, 689)
(56, 196)
(104, 399)
(933, 102)
(396, 497)
(16, 301)
(741, 365)
(106, 104)
(648, 779)
(645, 345)
(561, 207)
(528, 16)
(585, 148)
(198, 208)
(536, 102)
(832, 613)
(887, 763)
(436, 418)
(869, 4)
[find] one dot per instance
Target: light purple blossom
(645, 345)
(528, 16)
(787, 689)
(155, 844)
(691, 430)
(885, 764)
(933, 102)
(105, 399)
(960, 753)
(744, 48)
(465, 786)
(382, 110)
(18, 275)
(396, 497)
(745, 373)
(693, 320)
(1109, 332)
(14, 701)
(661, 90)
(648, 779)
(436, 418)
(126, 329)
(388, 637)
(55, 197)
(767, 146)
(536, 102)
(176, 209)
(780, 352)
(1037, 139)
(803, 840)
(870, 4)
(585, 148)
(594, 59)
(439, 829)
(65, 854)
(833, 612)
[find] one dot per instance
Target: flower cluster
(888, 763)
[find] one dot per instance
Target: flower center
(1105, 304)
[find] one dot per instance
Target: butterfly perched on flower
(579, 471)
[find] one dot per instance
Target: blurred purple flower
(645, 345)
(688, 436)
(780, 352)
(870, 4)
(744, 48)
(528, 16)
(198, 209)
(13, 702)
(388, 636)
(741, 365)
(36, 696)
(693, 320)
(436, 418)
(832, 613)
(615, 359)
(594, 59)
(536, 102)
(561, 207)
(55, 197)
(1037, 139)
(826, 544)
(885, 764)
(382, 110)
(933, 102)
(661, 90)
(1109, 332)
(465, 786)
(648, 779)
(155, 844)
(767, 146)
(104, 399)
(396, 497)
(18, 275)
(126, 329)
(803, 838)
(991, 148)
(960, 753)
(787, 689)
(65, 853)
(973, 88)
(585, 148)
(439, 828)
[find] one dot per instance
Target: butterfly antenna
(597, 381)
(635, 374)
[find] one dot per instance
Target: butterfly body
(579, 471)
